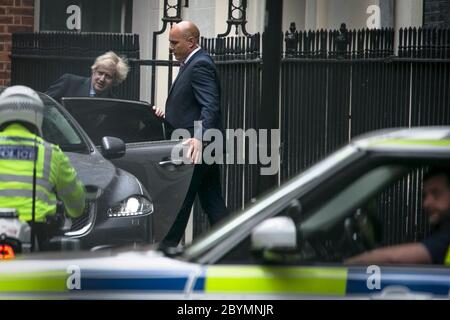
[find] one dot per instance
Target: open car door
(148, 150)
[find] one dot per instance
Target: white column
(256, 10)
(408, 13)
(316, 14)
(146, 20)
(202, 13)
(220, 17)
(294, 11)
(162, 76)
(310, 14)
(322, 14)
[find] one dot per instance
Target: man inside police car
(433, 249)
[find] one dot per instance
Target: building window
(86, 15)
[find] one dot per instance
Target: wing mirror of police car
(275, 239)
(113, 147)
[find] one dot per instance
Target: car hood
(92, 169)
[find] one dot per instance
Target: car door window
(131, 121)
(57, 129)
(130, 125)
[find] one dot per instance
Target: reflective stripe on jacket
(54, 174)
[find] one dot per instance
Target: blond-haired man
(108, 70)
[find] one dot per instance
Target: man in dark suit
(194, 96)
(108, 70)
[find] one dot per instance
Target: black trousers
(206, 183)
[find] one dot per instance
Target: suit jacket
(195, 95)
(70, 85)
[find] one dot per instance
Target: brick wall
(436, 13)
(15, 16)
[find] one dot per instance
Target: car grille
(79, 223)
(84, 223)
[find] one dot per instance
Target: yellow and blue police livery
(179, 280)
(290, 244)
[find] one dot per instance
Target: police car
(291, 243)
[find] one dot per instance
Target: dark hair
(437, 171)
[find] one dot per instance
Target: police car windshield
(58, 129)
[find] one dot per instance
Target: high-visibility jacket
(54, 175)
(447, 257)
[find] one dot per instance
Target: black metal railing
(342, 43)
(330, 96)
(38, 59)
(424, 43)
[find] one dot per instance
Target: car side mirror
(113, 147)
(275, 234)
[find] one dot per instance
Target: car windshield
(58, 129)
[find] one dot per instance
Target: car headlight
(133, 206)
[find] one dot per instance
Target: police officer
(21, 117)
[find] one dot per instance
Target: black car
(148, 151)
(119, 209)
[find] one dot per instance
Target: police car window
(350, 198)
(58, 130)
(343, 226)
(347, 224)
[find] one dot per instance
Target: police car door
(148, 150)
